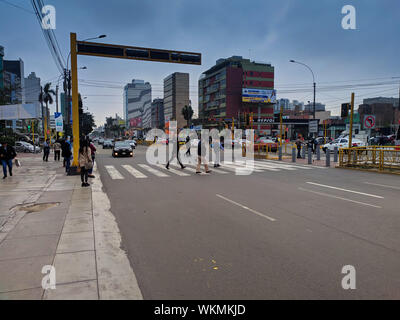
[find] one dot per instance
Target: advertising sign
(258, 95)
(313, 126)
(369, 121)
(20, 111)
(59, 121)
(135, 122)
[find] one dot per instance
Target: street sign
(59, 121)
(313, 126)
(369, 121)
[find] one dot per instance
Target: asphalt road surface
(283, 232)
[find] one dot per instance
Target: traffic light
(345, 110)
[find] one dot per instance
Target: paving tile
(50, 214)
(85, 290)
(29, 229)
(78, 225)
(73, 267)
(79, 214)
(119, 288)
(29, 294)
(23, 248)
(77, 241)
(20, 274)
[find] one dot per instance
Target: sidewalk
(47, 218)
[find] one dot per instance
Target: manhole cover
(36, 207)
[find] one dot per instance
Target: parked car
(273, 145)
(342, 143)
(101, 140)
(108, 144)
(122, 149)
(22, 146)
(132, 143)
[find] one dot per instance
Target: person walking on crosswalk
(201, 158)
(175, 153)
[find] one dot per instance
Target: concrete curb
(116, 279)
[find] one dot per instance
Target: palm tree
(46, 96)
(187, 113)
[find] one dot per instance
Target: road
(283, 232)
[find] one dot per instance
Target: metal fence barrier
(379, 158)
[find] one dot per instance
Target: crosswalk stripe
(153, 171)
(136, 173)
(275, 166)
(114, 173)
(232, 166)
(295, 165)
(177, 172)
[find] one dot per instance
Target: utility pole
(281, 126)
(314, 102)
(57, 98)
(351, 122)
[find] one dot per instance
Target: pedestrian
(93, 155)
(216, 146)
(46, 150)
(57, 150)
(188, 144)
(67, 154)
(315, 146)
(85, 162)
(7, 155)
(175, 153)
(201, 147)
(299, 144)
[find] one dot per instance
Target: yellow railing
(381, 158)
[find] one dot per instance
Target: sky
(309, 31)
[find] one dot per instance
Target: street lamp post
(314, 85)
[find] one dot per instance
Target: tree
(187, 113)
(46, 96)
(87, 123)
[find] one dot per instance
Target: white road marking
(153, 171)
(240, 166)
(246, 208)
(177, 172)
(275, 166)
(136, 173)
(293, 164)
(114, 173)
(192, 168)
(347, 190)
(382, 185)
(340, 198)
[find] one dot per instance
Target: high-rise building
(176, 97)
(14, 77)
(221, 93)
(393, 101)
(137, 104)
(1, 67)
(157, 113)
(32, 88)
(310, 107)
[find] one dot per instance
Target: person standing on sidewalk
(46, 150)
(85, 162)
(299, 143)
(67, 154)
(57, 150)
(93, 155)
(7, 154)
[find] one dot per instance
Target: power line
(17, 6)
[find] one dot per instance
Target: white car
(132, 143)
(342, 143)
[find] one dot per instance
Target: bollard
(294, 154)
(280, 153)
(309, 154)
(335, 154)
(303, 152)
(318, 152)
(328, 158)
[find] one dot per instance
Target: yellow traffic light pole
(281, 126)
(75, 105)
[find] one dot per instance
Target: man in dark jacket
(7, 154)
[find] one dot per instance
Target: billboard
(20, 111)
(59, 121)
(258, 95)
(135, 122)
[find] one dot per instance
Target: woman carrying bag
(85, 163)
